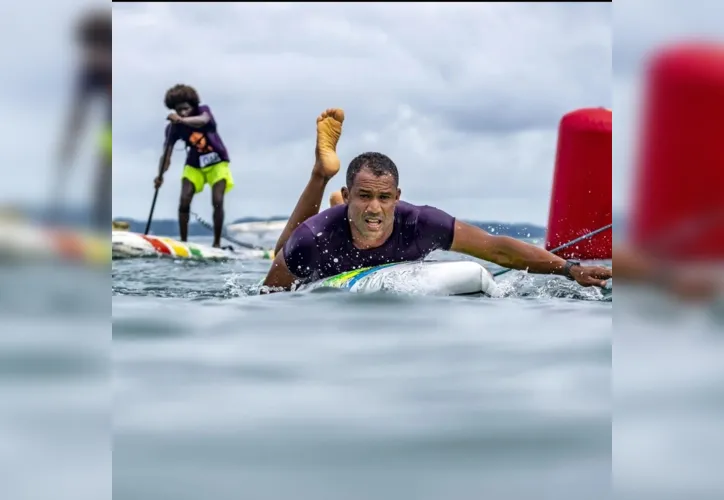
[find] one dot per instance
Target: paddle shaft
(150, 215)
(566, 245)
(160, 174)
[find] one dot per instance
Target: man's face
(371, 204)
(184, 109)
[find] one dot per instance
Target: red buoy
(581, 196)
(678, 206)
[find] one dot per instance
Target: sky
(637, 34)
(465, 98)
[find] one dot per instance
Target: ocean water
(181, 383)
(668, 397)
(222, 393)
(207, 390)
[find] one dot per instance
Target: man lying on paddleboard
(207, 160)
(375, 227)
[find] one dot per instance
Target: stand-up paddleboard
(426, 278)
(22, 241)
(129, 245)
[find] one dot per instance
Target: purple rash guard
(322, 245)
(205, 147)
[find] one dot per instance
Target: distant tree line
(169, 227)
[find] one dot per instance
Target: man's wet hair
(179, 94)
(95, 29)
(377, 163)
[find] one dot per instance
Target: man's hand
(591, 275)
(687, 281)
(158, 181)
(516, 254)
(175, 118)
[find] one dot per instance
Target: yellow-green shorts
(199, 177)
(106, 141)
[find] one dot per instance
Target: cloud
(466, 98)
(640, 25)
(639, 28)
(38, 63)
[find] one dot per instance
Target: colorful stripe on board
(341, 280)
(158, 245)
(68, 244)
(179, 248)
(349, 278)
(367, 272)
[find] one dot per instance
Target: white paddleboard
(129, 245)
(22, 241)
(426, 278)
(257, 227)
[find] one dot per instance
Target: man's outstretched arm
(307, 206)
(300, 253)
(165, 161)
(279, 276)
(687, 280)
(196, 121)
(515, 254)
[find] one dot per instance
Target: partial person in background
(207, 160)
(336, 198)
(94, 35)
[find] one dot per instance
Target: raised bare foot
(329, 129)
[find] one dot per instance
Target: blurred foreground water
(221, 394)
(55, 350)
(668, 403)
(332, 395)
